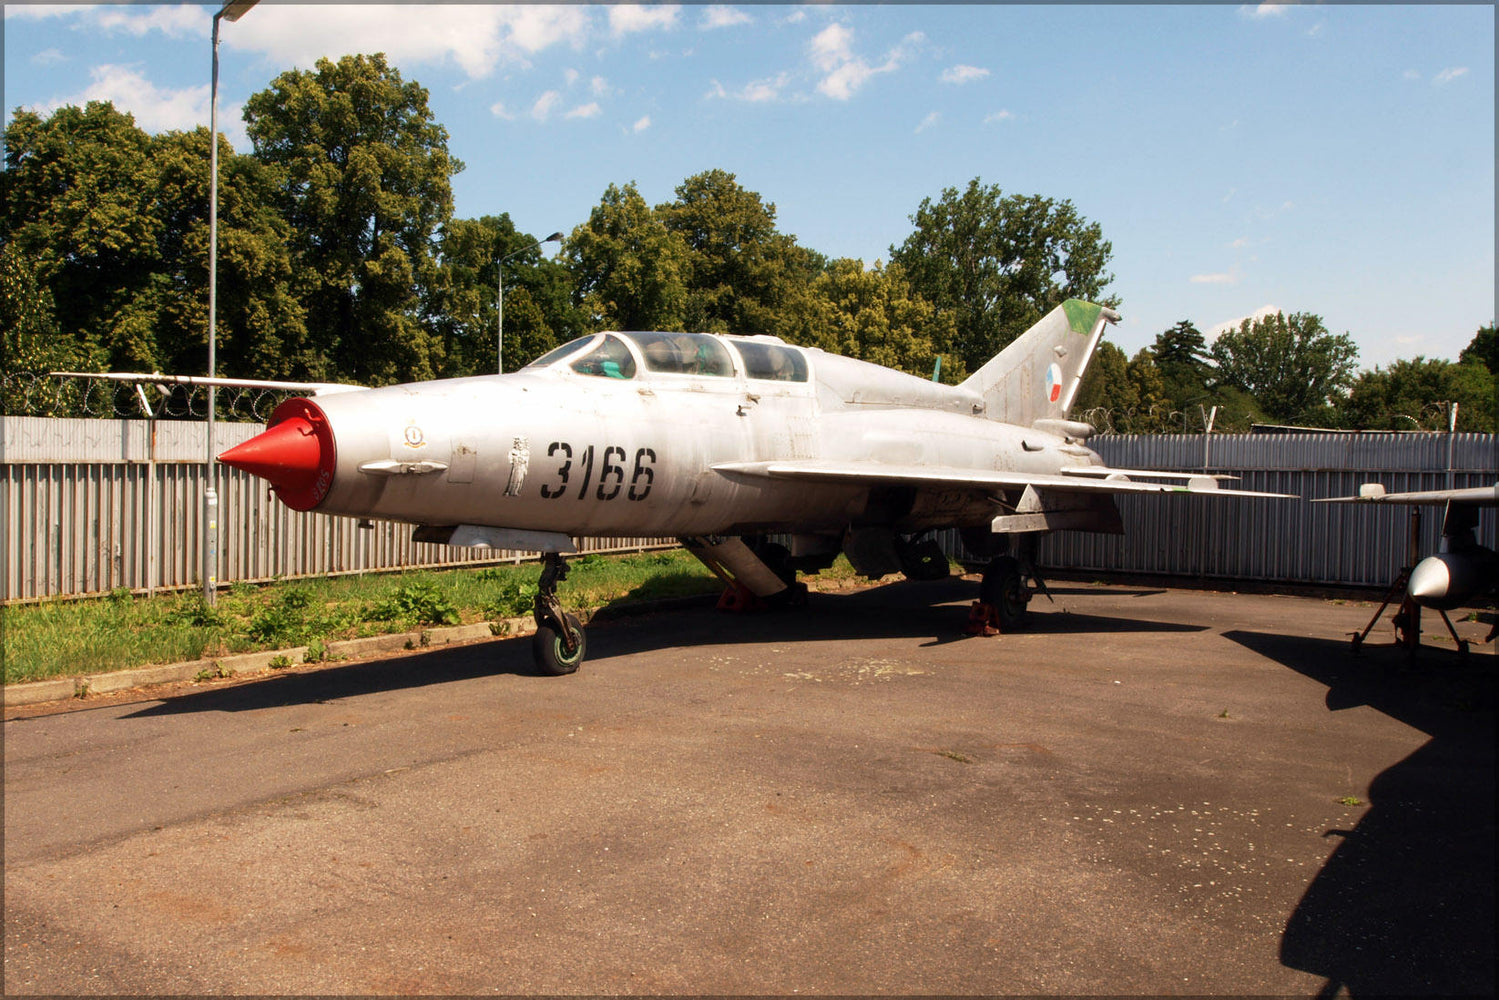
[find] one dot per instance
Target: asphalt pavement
(1148, 792)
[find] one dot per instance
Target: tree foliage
(1415, 395)
(1482, 350)
(629, 271)
(363, 176)
(1290, 364)
(996, 264)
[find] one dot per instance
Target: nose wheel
(560, 642)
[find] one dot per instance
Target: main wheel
(550, 652)
(1004, 590)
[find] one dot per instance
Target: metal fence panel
(1280, 540)
(90, 505)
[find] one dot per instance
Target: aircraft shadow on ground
(1405, 904)
(900, 610)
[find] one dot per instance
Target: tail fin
(1036, 377)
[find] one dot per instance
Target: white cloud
(545, 105)
(719, 16)
(1216, 330)
(478, 38)
(1448, 75)
(845, 73)
(155, 109)
(931, 119)
(627, 18)
(1264, 10)
(1412, 74)
(755, 92)
(599, 86)
(48, 57)
(590, 110)
(499, 110)
(1221, 278)
(831, 47)
(1002, 115)
(963, 74)
(641, 124)
(173, 20)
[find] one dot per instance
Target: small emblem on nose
(413, 435)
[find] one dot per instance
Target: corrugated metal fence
(1280, 540)
(87, 506)
(90, 505)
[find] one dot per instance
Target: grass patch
(63, 638)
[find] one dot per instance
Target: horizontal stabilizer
(1480, 496)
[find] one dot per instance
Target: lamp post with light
(499, 299)
(231, 11)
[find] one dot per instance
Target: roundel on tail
(1053, 383)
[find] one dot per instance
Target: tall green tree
(742, 272)
(870, 314)
(115, 225)
(363, 177)
(629, 271)
(78, 189)
(1125, 395)
(998, 263)
(1415, 394)
(1291, 365)
(538, 311)
(260, 327)
(1182, 356)
(1483, 349)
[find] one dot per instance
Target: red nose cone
(295, 453)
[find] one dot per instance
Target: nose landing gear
(560, 642)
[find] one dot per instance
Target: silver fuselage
(553, 450)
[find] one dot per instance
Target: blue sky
(1329, 159)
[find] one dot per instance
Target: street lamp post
(499, 299)
(231, 11)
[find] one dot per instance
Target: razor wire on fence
(42, 394)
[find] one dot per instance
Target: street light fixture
(231, 11)
(499, 299)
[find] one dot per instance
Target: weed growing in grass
(513, 599)
(421, 602)
(192, 610)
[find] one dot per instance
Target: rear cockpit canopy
(623, 355)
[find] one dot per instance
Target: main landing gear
(560, 643)
(1004, 594)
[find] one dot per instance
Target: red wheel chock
(983, 619)
(739, 599)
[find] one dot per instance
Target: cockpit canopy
(621, 355)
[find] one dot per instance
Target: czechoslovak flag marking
(1053, 383)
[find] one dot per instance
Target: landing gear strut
(559, 643)
(1004, 590)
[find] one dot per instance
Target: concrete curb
(242, 664)
(246, 664)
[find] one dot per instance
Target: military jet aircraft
(722, 441)
(1459, 572)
